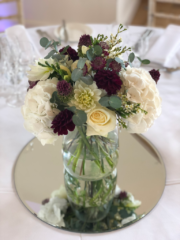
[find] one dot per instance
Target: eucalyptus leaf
(81, 63)
(139, 59)
(120, 61)
(44, 41)
(108, 62)
(58, 56)
(104, 101)
(115, 102)
(72, 109)
(97, 50)
(65, 49)
(145, 61)
(55, 46)
(55, 99)
(90, 54)
(49, 44)
(50, 54)
(87, 80)
(76, 74)
(131, 57)
(79, 118)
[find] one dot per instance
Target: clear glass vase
(90, 172)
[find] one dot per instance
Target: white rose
(38, 113)
(84, 49)
(100, 121)
(141, 88)
(74, 65)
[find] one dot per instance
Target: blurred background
(34, 13)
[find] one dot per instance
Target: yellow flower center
(85, 98)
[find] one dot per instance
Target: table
(161, 224)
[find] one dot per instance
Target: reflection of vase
(90, 172)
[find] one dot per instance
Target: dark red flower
(126, 64)
(108, 80)
(122, 195)
(32, 84)
(98, 63)
(85, 70)
(64, 88)
(71, 52)
(63, 122)
(45, 201)
(115, 66)
(85, 40)
(105, 53)
(104, 45)
(155, 74)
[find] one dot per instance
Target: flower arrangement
(92, 86)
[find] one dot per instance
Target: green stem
(96, 196)
(79, 149)
(89, 147)
(84, 160)
(110, 188)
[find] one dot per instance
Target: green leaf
(79, 118)
(58, 56)
(81, 63)
(55, 99)
(145, 61)
(87, 80)
(131, 57)
(139, 59)
(49, 43)
(97, 50)
(76, 74)
(120, 61)
(65, 49)
(55, 46)
(104, 101)
(72, 109)
(115, 102)
(90, 54)
(50, 54)
(44, 41)
(108, 62)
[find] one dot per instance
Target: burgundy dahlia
(155, 75)
(104, 45)
(108, 80)
(85, 40)
(105, 53)
(64, 88)
(71, 52)
(98, 63)
(115, 66)
(122, 195)
(63, 122)
(32, 84)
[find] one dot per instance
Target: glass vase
(90, 172)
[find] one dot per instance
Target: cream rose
(84, 49)
(100, 121)
(74, 65)
(141, 88)
(38, 112)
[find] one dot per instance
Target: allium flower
(38, 72)
(108, 81)
(155, 75)
(63, 122)
(104, 45)
(64, 88)
(32, 84)
(115, 66)
(71, 52)
(122, 195)
(85, 40)
(105, 53)
(85, 96)
(98, 63)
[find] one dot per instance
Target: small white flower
(38, 112)
(60, 193)
(128, 219)
(38, 72)
(84, 49)
(52, 211)
(85, 96)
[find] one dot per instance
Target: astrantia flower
(63, 122)
(85, 96)
(108, 80)
(32, 84)
(105, 53)
(115, 66)
(85, 40)
(38, 72)
(123, 195)
(104, 45)
(71, 52)
(98, 63)
(155, 75)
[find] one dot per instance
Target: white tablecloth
(162, 223)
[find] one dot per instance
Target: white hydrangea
(38, 72)
(38, 112)
(51, 212)
(86, 96)
(141, 88)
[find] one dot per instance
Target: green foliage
(117, 59)
(44, 41)
(55, 99)
(145, 61)
(50, 54)
(76, 74)
(81, 63)
(97, 50)
(113, 102)
(79, 117)
(90, 54)
(65, 49)
(87, 79)
(131, 57)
